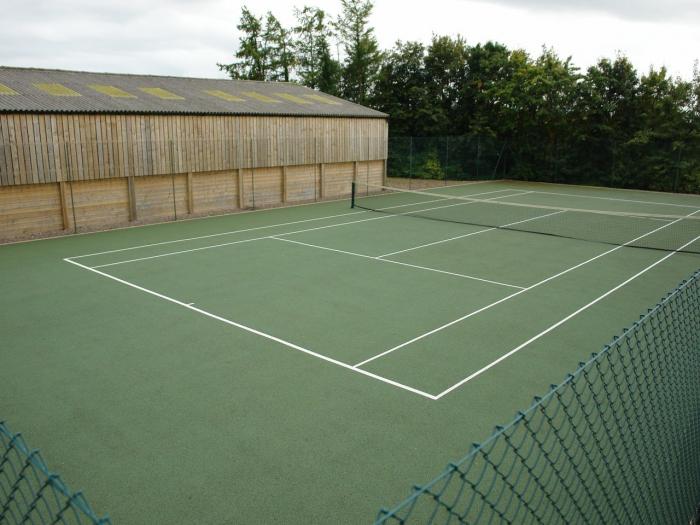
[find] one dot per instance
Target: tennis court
(309, 364)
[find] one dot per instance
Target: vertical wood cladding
(36, 210)
(44, 148)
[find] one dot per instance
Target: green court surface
(310, 364)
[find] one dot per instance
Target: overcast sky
(188, 37)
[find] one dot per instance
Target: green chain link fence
(617, 442)
(31, 494)
(621, 164)
(446, 158)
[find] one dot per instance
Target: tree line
(547, 119)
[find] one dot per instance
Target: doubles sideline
(357, 366)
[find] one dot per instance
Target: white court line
(614, 199)
(469, 234)
(374, 218)
(178, 252)
(560, 322)
(471, 277)
(213, 235)
(256, 332)
(508, 297)
(232, 232)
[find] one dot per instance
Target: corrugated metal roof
(56, 91)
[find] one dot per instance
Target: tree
(362, 55)
(330, 75)
(316, 68)
(485, 98)
(445, 66)
(252, 50)
(279, 50)
(608, 126)
(607, 117)
(662, 140)
(402, 90)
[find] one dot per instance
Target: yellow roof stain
(261, 97)
(111, 91)
(4, 90)
(223, 95)
(57, 90)
(161, 93)
(293, 98)
(324, 100)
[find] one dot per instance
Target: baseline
(190, 306)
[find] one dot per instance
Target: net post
(353, 192)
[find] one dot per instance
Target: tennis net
(497, 210)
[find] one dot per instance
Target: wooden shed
(85, 151)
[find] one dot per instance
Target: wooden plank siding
(42, 148)
(64, 173)
(36, 210)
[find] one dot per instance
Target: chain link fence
(31, 494)
(445, 158)
(427, 161)
(618, 441)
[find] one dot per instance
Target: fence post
(478, 155)
(369, 156)
(190, 196)
(252, 173)
(69, 172)
(678, 173)
(172, 175)
(410, 162)
(447, 157)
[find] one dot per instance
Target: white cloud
(653, 10)
(188, 37)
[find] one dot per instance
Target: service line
(336, 225)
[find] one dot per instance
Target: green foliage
(607, 126)
(402, 90)
(316, 68)
(264, 52)
(252, 51)
(362, 55)
(535, 118)
(432, 168)
(280, 50)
